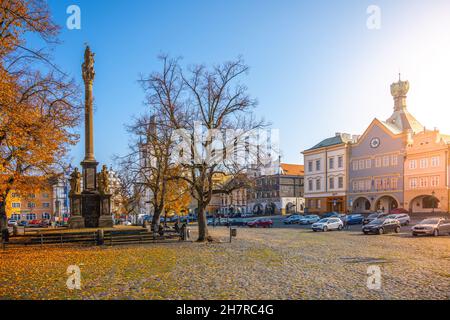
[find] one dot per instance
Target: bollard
(233, 233)
(100, 237)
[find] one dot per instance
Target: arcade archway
(424, 203)
(361, 205)
(386, 203)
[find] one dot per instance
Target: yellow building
(34, 206)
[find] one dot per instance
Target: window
(368, 163)
(394, 183)
(318, 203)
(435, 181)
(361, 164)
(46, 205)
(310, 166)
(15, 205)
(361, 185)
(318, 186)
(340, 162)
(412, 164)
(15, 216)
(368, 184)
(31, 216)
(378, 184)
(341, 182)
(394, 159)
(317, 165)
(355, 165)
(435, 161)
(46, 216)
(355, 186)
(331, 163)
(15, 195)
(423, 163)
(423, 182)
(31, 205)
(331, 183)
(378, 162)
(310, 185)
(413, 183)
(45, 195)
(386, 161)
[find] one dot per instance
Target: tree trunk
(3, 219)
(156, 220)
(202, 224)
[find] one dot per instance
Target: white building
(326, 174)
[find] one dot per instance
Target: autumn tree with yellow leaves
(39, 105)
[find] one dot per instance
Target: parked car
(399, 211)
(328, 224)
(293, 219)
(432, 226)
(35, 224)
(238, 222)
(374, 216)
(309, 219)
(260, 223)
(330, 215)
(404, 218)
(23, 223)
(381, 226)
(12, 222)
(354, 219)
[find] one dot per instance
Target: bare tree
(213, 115)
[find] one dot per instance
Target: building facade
(279, 193)
(33, 206)
(427, 172)
(377, 158)
(326, 174)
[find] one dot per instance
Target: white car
(403, 218)
(309, 219)
(328, 224)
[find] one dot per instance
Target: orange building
(426, 172)
(38, 205)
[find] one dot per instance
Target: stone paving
(259, 264)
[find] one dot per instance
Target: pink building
(427, 172)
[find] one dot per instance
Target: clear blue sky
(316, 69)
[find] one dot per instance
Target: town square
(296, 155)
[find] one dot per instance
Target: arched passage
(361, 205)
(386, 203)
(424, 203)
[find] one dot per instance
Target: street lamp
(434, 201)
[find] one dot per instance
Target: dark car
(330, 215)
(237, 222)
(260, 223)
(23, 223)
(374, 216)
(355, 219)
(381, 226)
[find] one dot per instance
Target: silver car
(403, 218)
(432, 226)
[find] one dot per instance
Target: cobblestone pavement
(258, 264)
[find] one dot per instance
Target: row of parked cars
(29, 224)
(240, 222)
(376, 223)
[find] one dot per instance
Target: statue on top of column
(88, 65)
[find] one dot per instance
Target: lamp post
(434, 201)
